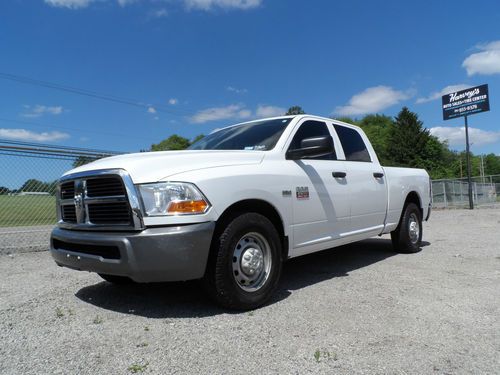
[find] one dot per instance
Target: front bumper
(159, 254)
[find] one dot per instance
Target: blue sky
(191, 66)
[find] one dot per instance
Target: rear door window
(352, 143)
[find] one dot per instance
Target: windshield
(260, 136)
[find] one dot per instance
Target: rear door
(367, 183)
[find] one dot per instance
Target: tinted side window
(311, 129)
(352, 143)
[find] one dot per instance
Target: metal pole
(471, 203)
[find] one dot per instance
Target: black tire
(237, 277)
(405, 239)
(118, 280)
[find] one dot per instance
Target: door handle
(378, 175)
(339, 174)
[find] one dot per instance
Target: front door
(321, 200)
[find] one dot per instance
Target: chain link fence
(28, 178)
(455, 193)
(29, 173)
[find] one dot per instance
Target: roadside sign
(465, 102)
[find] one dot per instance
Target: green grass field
(16, 211)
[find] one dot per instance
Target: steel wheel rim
(413, 228)
(251, 262)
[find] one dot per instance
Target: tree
(378, 129)
(407, 139)
(491, 164)
(34, 185)
(82, 160)
(197, 138)
(4, 190)
(410, 144)
(295, 110)
(174, 142)
(347, 119)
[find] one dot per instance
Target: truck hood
(157, 166)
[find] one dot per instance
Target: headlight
(172, 198)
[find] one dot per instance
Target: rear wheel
(118, 280)
(407, 237)
(245, 263)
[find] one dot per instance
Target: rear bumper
(153, 255)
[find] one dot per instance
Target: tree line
(402, 141)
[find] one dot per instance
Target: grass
(320, 355)
(59, 312)
(98, 320)
(27, 210)
(135, 368)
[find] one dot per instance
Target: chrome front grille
(102, 200)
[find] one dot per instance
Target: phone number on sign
(465, 109)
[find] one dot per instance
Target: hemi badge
(287, 193)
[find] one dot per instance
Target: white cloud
(126, 2)
(40, 110)
(446, 90)
(28, 135)
(236, 90)
(223, 4)
(151, 110)
(205, 5)
(70, 4)
(269, 111)
(487, 61)
(233, 111)
(456, 135)
(159, 13)
(372, 100)
(173, 101)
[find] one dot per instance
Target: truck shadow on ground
(188, 300)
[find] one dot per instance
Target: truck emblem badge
(302, 192)
(78, 201)
(287, 193)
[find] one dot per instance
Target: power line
(92, 94)
(68, 129)
(59, 148)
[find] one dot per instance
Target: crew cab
(234, 206)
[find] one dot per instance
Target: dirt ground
(358, 309)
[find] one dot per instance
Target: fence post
(444, 195)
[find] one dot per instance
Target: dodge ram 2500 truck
(234, 206)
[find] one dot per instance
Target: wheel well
(258, 206)
(413, 197)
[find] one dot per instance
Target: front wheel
(407, 237)
(245, 263)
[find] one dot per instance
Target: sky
(123, 74)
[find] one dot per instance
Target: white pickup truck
(234, 206)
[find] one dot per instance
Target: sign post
(464, 103)
(467, 156)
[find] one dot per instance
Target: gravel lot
(24, 239)
(357, 309)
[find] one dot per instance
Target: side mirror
(312, 147)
